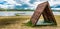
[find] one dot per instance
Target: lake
(12, 13)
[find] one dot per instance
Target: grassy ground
(16, 22)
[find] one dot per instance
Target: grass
(28, 24)
(5, 20)
(52, 24)
(22, 19)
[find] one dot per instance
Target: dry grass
(16, 22)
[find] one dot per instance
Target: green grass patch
(29, 23)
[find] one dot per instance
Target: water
(12, 13)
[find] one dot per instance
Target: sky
(26, 4)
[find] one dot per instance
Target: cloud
(28, 4)
(3, 6)
(8, 4)
(35, 3)
(12, 2)
(55, 8)
(32, 4)
(3, 2)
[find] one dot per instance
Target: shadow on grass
(29, 24)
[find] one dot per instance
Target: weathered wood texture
(45, 10)
(48, 14)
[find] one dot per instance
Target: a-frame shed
(44, 10)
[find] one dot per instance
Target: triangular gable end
(41, 10)
(48, 14)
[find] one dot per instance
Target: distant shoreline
(30, 10)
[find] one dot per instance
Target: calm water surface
(12, 13)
